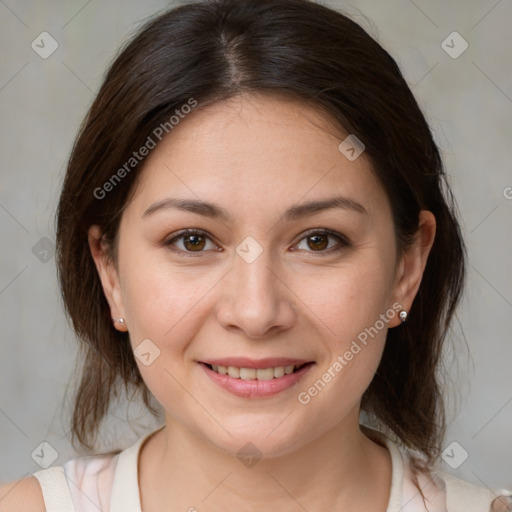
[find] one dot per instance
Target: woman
(255, 230)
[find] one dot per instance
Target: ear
(108, 275)
(412, 264)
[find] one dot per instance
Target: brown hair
(214, 50)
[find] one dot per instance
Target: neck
(342, 469)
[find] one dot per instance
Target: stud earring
(121, 321)
(403, 315)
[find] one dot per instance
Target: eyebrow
(294, 213)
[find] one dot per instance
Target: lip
(253, 388)
(268, 362)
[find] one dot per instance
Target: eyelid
(323, 231)
(344, 241)
(168, 242)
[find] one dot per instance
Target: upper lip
(268, 362)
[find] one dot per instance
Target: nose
(255, 299)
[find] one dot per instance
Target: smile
(256, 382)
(256, 373)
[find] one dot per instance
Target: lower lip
(254, 388)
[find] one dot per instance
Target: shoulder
(464, 496)
(22, 495)
(446, 492)
(449, 493)
(442, 491)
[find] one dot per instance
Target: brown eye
(320, 241)
(194, 242)
(190, 241)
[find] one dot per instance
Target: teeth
(288, 369)
(234, 372)
(247, 373)
(266, 374)
(278, 372)
(254, 373)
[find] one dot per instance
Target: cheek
(156, 293)
(352, 315)
(163, 308)
(166, 305)
(347, 299)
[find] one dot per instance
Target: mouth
(244, 373)
(256, 379)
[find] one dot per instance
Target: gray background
(467, 100)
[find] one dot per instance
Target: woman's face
(262, 281)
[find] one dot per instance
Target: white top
(110, 483)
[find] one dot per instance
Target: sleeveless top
(110, 483)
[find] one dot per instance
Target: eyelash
(343, 241)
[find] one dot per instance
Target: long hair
(212, 51)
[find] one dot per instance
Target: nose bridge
(253, 276)
(256, 301)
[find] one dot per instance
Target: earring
(403, 315)
(121, 321)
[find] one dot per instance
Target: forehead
(255, 152)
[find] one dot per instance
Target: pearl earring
(403, 315)
(120, 320)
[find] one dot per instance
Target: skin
(256, 156)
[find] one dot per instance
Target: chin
(266, 439)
